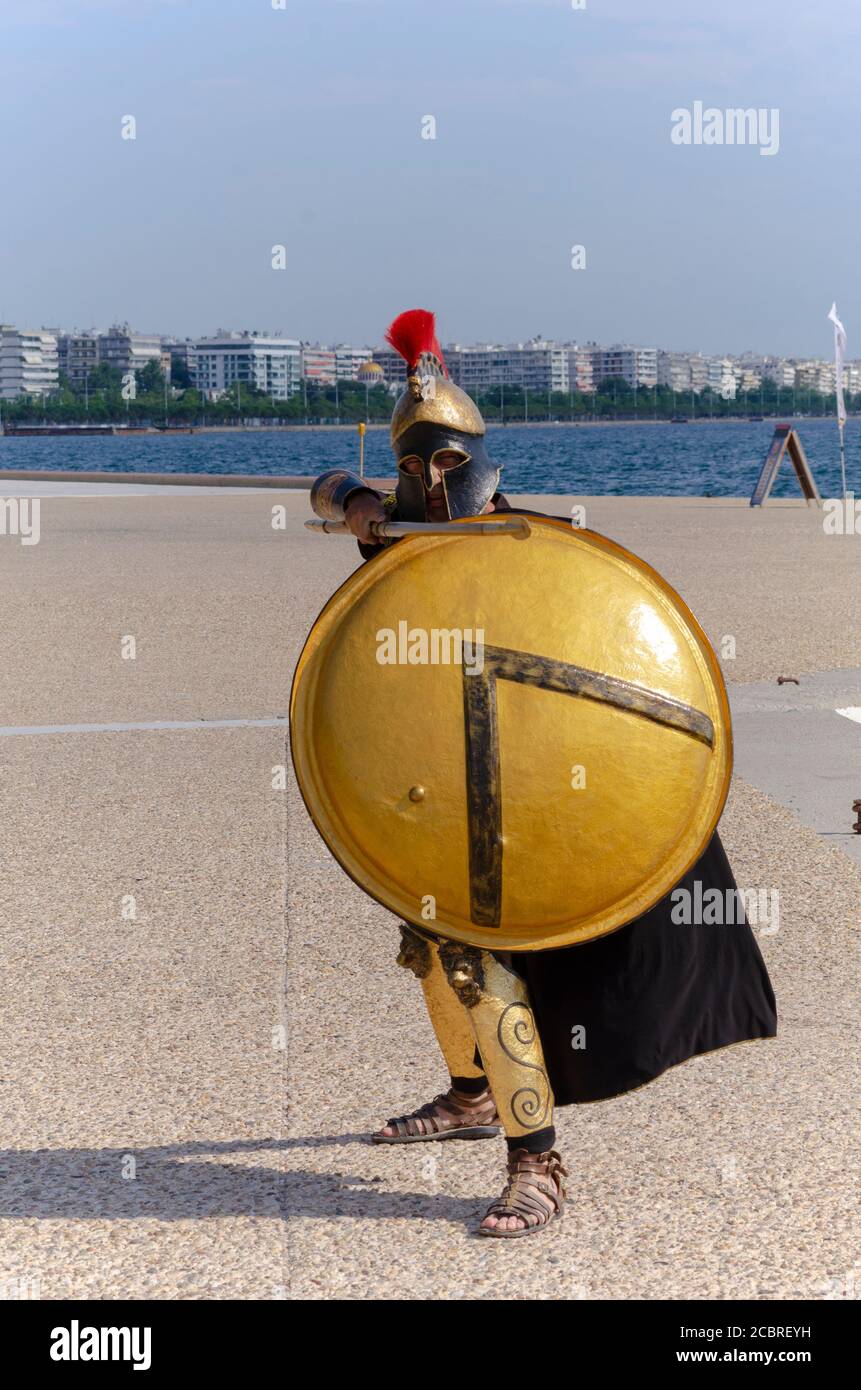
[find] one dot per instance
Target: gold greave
(450, 1022)
(507, 1037)
(447, 1014)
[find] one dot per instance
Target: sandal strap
(534, 1187)
(451, 1110)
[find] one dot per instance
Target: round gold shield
(518, 744)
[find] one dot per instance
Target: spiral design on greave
(527, 1106)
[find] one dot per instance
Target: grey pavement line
(807, 759)
(13, 730)
(817, 690)
(790, 745)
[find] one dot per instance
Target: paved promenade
(189, 1072)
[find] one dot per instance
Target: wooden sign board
(785, 441)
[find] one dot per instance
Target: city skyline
(39, 363)
(449, 344)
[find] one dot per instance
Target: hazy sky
(302, 126)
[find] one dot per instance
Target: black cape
(649, 995)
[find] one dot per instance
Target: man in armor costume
(649, 995)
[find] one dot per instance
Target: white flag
(839, 349)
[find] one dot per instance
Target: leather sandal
(453, 1115)
(533, 1192)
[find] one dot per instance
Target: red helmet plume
(412, 334)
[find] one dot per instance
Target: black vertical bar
(483, 797)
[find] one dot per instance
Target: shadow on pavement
(180, 1182)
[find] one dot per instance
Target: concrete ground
(189, 1073)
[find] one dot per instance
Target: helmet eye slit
(411, 464)
(461, 456)
(414, 464)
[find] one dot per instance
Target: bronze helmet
(433, 415)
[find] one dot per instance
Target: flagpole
(842, 461)
(839, 351)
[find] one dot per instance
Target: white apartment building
(29, 362)
(536, 365)
(721, 377)
(79, 356)
(691, 371)
(827, 378)
(747, 378)
(780, 371)
(181, 354)
(815, 376)
(319, 364)
(673, 370)
(580, 373)
(699, 372)
(852, 377)
(635, 366)
(341, 363)
(348, 360)
(273, 365)
(127, 351)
